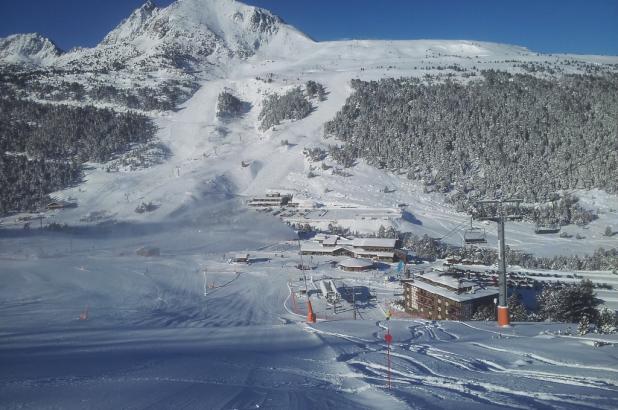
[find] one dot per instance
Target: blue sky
(550, 26)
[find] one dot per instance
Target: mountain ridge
(30, 48)
(188, 34)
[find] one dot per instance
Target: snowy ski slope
(153, 340)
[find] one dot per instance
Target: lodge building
(383, 249)
(270, 200)
(445, 296)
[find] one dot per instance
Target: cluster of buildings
(434, 295)
(380, 249)
(447, 295)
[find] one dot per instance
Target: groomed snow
(186, 328)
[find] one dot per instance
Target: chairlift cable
(455, 229)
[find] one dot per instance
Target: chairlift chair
(474, 235)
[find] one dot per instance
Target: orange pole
(311, 318)
(503, 316)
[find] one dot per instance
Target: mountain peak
(30, 48)
(133, 25)
(188, 31)
(148, 5)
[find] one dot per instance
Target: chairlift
(474, 235)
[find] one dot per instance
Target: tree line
(293, 105)
(43, 145)
(428, 248)
(20, 83)
(503, 135)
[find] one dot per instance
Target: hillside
(499, 135)
(198, 49)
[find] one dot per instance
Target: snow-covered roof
(330, 240)
(314, 247)
(448, 280)
(335, 243)
(266, 199)
(305, 203)
(281, 191)
(378, 254)
(320, 237)
(356, 263)
(476, 293)
(375, 242)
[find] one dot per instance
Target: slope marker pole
(84, 314)
(388, 338)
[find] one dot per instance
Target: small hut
(240, 258)
(356, 265)
(60, 205)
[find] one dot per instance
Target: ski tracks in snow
(436, 362)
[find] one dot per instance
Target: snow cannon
(311, 318)
(503, 316)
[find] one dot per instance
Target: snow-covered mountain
(29, 48)
(201, 27)
(189, 35)
(165, 51)
(216, 45)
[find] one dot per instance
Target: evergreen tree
(584, 326)
(228, 105)
(569, 303)
(485, 312)
(517, 311)
(608, 321)
(291, 106)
